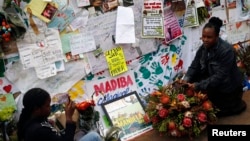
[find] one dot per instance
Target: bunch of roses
(179, 111)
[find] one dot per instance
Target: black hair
(33, 98)
(214, 22)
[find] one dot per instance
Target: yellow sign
(116, 61)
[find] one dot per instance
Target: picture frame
(127, 112)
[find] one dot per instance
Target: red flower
(207, 105)
(146, 118)
(181, 97)
(164, 99)
(187, 122)
(189, 92)
(207, 3)
(202, 117)
(163, 113)
(155, 119)
(171, 125)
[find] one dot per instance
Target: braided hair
(216, 23)
(33, 98)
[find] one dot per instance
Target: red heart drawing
(7, 88)
(238, 24)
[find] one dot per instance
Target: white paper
(220, 11)
(80, 21)
(86, 65)
(82, 43)
(46, 71)
(125, 25)
(42, 52)
(81, 3)
(199, 3)
(73, 4)
(60, 83)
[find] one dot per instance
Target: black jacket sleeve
(47, 133)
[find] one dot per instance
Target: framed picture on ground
(127, 113)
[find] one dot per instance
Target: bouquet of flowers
(179, 111)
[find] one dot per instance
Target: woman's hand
(191, 85)
(69, 110)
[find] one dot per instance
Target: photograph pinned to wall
(42, 9)
(62, 18)
(69, 57)
(191, 15)
(49, 11)
(172, 27)
(127, 113)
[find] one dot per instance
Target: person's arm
(195, 67)
(50, 135)
(224, 64)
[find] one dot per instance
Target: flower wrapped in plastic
(179, 111)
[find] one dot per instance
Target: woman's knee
(91, 136)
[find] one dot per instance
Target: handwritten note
(46, 71)
(116, 61)
(237, 32)
(81, 43)
(41, 53)
(81, 3)
(60, 83)
(80, 21)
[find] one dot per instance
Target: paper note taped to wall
(82, 43)
(116, 61)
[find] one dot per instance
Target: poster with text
(172, 27)
(108, 89)
(152, 24)
(116, 61)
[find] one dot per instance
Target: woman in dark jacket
(33, 122)
(215, 71)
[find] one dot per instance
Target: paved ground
(243, 118)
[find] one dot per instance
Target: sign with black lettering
(233, 132)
